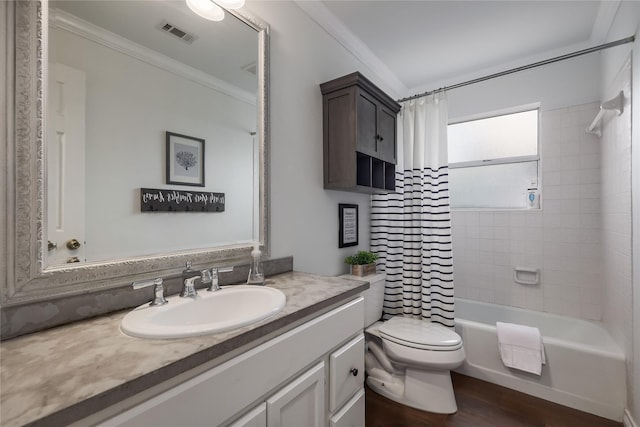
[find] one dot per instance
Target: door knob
(73, 244)
(51, 246)
(73, 259)
(354, 372)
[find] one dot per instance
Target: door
(346, 372)
(301, 403)
(66, 165)
(367, 138)
(386, 135)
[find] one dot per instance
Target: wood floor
(481, 404)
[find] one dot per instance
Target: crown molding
(89, 31)
(318, 12)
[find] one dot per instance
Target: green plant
(361, 258)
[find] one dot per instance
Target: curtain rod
(630, 39)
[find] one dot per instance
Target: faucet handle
(206, 276)
(158, 290)
(214, 286)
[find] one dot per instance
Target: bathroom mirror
(139, 87)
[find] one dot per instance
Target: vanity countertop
(61, 375)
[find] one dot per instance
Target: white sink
(208, 313)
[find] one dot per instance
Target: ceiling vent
(176, 32)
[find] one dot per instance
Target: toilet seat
(420, 334)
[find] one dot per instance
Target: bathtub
(585, 368)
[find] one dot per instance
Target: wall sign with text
(348, 220)
(154, 200)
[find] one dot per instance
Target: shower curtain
(411, 229)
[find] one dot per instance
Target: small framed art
(348, 230)
(185, 160)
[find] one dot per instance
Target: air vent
(176, 32)
(251, 68)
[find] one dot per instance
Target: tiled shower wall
(616, 217)
(563, 239)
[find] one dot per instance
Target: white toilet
(409, 360)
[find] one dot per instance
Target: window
(493, 161)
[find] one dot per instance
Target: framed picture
(348, 233)
(185, 160)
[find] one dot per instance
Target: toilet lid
(419, 333)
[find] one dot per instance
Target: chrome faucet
(189, 277)
(209, 276)
(189, 288)
(158, 290)
(213, 284)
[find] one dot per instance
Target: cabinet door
(352, 414)
(257, 417)
(339, 140)
(386, 135)
(301, 403)
(367, 141)
(346, 372)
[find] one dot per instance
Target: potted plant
(362, 263)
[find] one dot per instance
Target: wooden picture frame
(348, 228)
(185, 160)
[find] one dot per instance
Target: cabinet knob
(354, 372)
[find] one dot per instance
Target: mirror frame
(23, 231)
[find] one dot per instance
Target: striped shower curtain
(411, 229)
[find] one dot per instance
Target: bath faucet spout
(189, 288)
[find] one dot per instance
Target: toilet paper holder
(523, 276)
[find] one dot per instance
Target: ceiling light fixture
(206, 9)
(230, 4)
(211, 10)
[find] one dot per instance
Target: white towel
(521, 347)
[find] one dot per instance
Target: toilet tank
(373, 298)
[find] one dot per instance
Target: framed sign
(348, 218)
(185, 160)
(156, 200)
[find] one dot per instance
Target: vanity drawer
(346, 372)
(352, 414)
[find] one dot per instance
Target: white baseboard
(627, 420)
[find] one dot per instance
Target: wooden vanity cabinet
(359, 135)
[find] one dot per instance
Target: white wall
(616, 218)
(558, 85)
(562, 239)
(130, 104)
(610, 292)
(622, 312)
(619, 302)
(304, 216)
